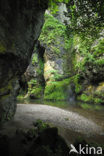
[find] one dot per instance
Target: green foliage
(40, 69)
(76, 81)
(35, 89)
(56, 50)
(36, 85)
(87, 59)
(54, 34)
(56, 75)
(20, 97)
(100, 62)
(32, 82)
(90, 106)
(40, 125)
(86, 17)
(52, 28)
(90, 98)
(88, 64)
(85, 98)
(53, 5)
(35, 59)
(90, 57)
(98, 50)
(57, 90)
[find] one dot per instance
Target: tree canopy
(85, 15)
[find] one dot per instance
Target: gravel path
(26, 114)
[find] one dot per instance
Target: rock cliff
(20, 27)
(72, 67)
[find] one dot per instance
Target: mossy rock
(35, 90)
(2, 48)
(57, 90)
(90, 99)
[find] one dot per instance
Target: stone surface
(51, 62)
(20, 27)
(34, 73)
(40, 140)
(89, 66)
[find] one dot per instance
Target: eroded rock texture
(20, 27)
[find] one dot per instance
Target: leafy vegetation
(86, 16)
(83, 42)
(40, 125)
(35, 90)
(35, 59)
(57, 90)
(76, 81)
(90, 98)
(52, 32)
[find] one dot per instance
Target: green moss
(36, 85)
(97, 100)
(56, 76)
(99, 62)
(7, 87)
(20, 97)
(51, 30)
(92, 57)
(56, 90)
(85, 98)
(76, 81)
(36, 92)
(56, 50)
(54, 34)
(32, 82)
(35, 89)
(98, 50)
(40, 69)
(90, 99)
(35, 59)
(2, 48)
(40, 125)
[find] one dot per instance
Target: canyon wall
(20, 27)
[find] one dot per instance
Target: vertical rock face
(34, 74)
(51, 64)
(61, 14)
(57, 59)
(20, 27)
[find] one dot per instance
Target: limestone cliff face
(20, 27)
(72, 66)
(57, 59)
(51, 64)
(89, 68)
(34, 74)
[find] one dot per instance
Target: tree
(86, 16)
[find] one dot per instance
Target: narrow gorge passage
(51, 77)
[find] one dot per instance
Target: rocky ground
(26, 114)
(22, 136)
